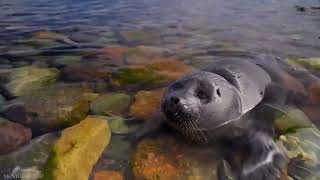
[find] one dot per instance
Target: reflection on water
(257, 25)
(112, 59)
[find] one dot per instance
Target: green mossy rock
(110, 104)
(118, 124)
(140, 36)
(77, 150)
(119, 148)
(136, 75)
(293, 119)
(47, 39)
(157, 72)
(26, 79)
(145, 54)
(303, 150)
(34, 154)
(49, 109)
(66, 60)
(308, 63)
(48, 35)
(41, 43)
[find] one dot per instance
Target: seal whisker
(177, 114)
(190, 132)
(187, 128)
(202, 134)
(195, 130)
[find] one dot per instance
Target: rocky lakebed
(75, 85)
(69, 117)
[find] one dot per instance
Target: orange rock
(314, 91)
(108, 175)
(137, 59)
(13, 135)
(167, 157)
(144, 54)
(160, 71)
(146, 104)
(47, 35)
(150, 163)
(114, 53)
(169, 67)
(85, 72)
(291, 82)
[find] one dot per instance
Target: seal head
(215, 99)
(199, 102)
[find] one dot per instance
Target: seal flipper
(265, 161)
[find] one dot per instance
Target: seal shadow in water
(224, 105)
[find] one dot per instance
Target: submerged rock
(113, 54)
(13, 135)
(108, 175)
(77, 150)
(145, 54)
(119, 148)
(26, 79)
(35, 154)
(146, 104)
(170, 68)
(164, 158)
(314, 93)
(30, 173)
(116, 157)
(140, 37)
(63, 61)
(90, 96)
(135, 75)
(85, 72)
(201, 61)
(302, 149)
(117, 124)
(308, 63)
(292, 119)
(2, 100)
(6, 66)
(41, 43)
(48, 110)
(149, 162)
(48, 39)
(110, 104)
(47, 35)
(158, 71)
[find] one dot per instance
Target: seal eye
(201, 94)
(177, 85)
(218, 92)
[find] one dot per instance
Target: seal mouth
(187, 123)
(179, 114)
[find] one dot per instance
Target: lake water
(126, 51)
(257, 25)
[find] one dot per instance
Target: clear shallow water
(191, 30)
(257, 25)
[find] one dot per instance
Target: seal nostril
(175, 100)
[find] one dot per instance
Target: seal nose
(174, 100)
